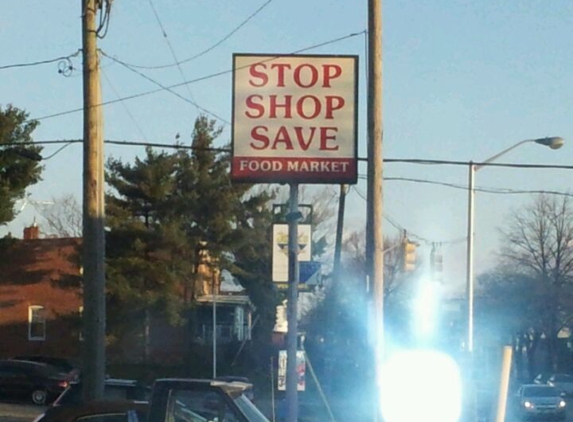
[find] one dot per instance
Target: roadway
(14, 412)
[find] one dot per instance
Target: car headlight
(562, 403)
(528, 405)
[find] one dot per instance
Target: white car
(535, 400)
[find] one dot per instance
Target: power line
(200, 79)
(386, 160)
(503, 191)
(335, 40)
(57, 151)
(207, 50)
(166, 88)
(123, 143)
(41, 62)
(468, 163)
(123, 104)
(171, 48)
(400, 227)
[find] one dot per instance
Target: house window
(36, 323)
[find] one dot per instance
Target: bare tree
(539, 238)
(538, 243)
(64, 218)
(355, 260)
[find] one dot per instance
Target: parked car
(34, 381)
(563, 382)
(64, 365)
(97, 411)
(197, 400)
(539, 401)
(114, 389)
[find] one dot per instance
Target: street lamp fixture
(553, 142)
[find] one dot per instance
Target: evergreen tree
(19, 166)
(163, 210)
(145, 253)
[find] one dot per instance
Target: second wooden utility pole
(93, 254)
(374, 236)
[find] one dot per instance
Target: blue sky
(462, 81)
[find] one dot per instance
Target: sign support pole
(293, 218)
(214, 298)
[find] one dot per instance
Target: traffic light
(408, 256)
(436, 263)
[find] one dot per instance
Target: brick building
(39, 303)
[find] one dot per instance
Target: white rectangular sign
(294, 118)
(300, 370)
(280, 249)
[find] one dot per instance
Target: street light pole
(554, 142)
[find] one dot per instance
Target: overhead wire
(57, 151)
(138, 128)
(491, 190)
(475, 163)
(354, 188)
(212, 47)
(386, 160)
(168, 89)
(40, 62)
(199, 79)
(164, 32)
(104, 18)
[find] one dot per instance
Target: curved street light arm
(499, 154)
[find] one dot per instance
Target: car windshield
(540, 392)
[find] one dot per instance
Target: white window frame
(31, 310)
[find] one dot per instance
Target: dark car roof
(61, 363)
(71, 412)
(33, 367)
(121, 382)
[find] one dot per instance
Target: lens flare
(418, 385)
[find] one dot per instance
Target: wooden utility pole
(93, 368)
(374, 237)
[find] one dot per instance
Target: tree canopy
(19, 167)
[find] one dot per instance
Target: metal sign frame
(301, 128)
